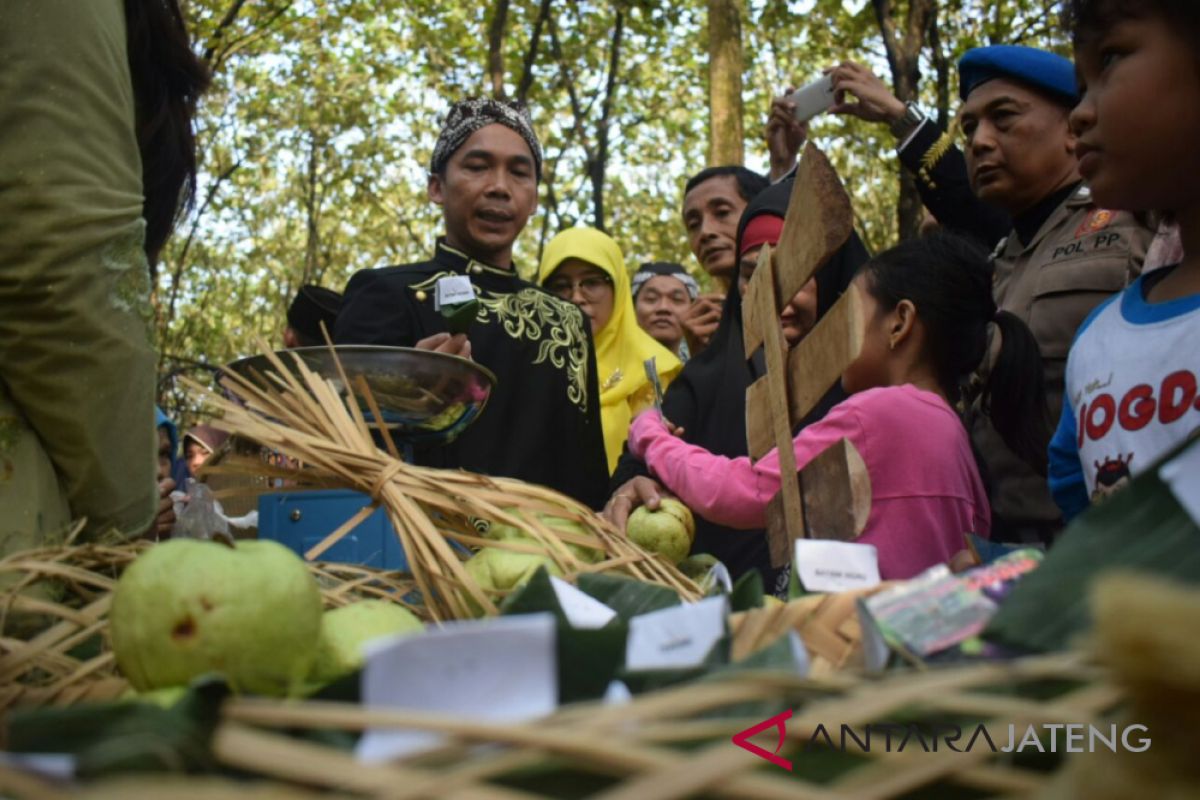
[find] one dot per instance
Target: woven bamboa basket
(54, 618)
(828, 624)
(672, 743)
(439, 515)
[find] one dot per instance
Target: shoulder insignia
(1097, 220)
(939, 149)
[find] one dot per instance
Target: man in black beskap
(542, 422)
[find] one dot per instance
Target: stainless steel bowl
(422, 396)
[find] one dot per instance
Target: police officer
(1015, 185)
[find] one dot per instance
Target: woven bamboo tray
(676, 743)
(828, 624)
(54, 618)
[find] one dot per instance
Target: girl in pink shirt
(928, 304)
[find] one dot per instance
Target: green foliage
(323, 115)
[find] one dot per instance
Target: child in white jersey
(1132, 377)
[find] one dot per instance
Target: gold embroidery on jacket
(533, 315)
(536, 316)
(936, 153)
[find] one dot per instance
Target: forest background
(316, 134)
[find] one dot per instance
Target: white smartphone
(813, 99)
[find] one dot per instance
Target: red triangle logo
(778, 721)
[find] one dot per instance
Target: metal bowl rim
(371, 348)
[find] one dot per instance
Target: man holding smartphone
(1016, 187)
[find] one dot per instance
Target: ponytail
(168, 79)
(949, 281)
(1014, 396)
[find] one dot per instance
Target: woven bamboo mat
(676, 743)
(54, 618)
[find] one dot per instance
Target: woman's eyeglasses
(591, 287)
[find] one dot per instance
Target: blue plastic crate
(300, 520)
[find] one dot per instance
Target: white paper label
(876, 652)
(582, 610)
(56, 766)
(499, 670)
(452, 290)
(825, 565)
(676, 637)
(617, 694)
(721, 575)
(1182, 475)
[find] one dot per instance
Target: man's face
(660, 304)
(1019, 146)
(711, 212)
(487, 193)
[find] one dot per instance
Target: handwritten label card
(676, 637)
(825, 565)
(499, 670)
(582, 610)
(452, 290)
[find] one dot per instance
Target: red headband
(763, 229)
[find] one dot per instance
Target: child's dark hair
(1087, 19)
(949, 280)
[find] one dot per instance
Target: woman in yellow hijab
(586, 267)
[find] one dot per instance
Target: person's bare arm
(873, 100)
(639, 491)
(700, 321)
(785, 136)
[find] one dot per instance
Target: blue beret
(1038, 69)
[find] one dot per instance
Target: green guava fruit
(699, 568)
(345, 630)
(188, 607)
(495, 569)
(669, 531)
(499, 531)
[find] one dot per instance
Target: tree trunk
(599, 164)
(903, 46)
(496, 48)
(725, 66)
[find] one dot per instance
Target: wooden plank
(836, 491)
(753, 316)
(819, 221)
(760, 437)
(790, 525)
(779, 544)
(821, 357)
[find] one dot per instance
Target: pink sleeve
(731, 491)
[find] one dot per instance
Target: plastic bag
(201, 515)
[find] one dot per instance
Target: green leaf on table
(1141, 527)
(626, 596)
(127, 735)
(535, 597)
(747, 592)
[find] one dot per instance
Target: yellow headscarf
(621, 345)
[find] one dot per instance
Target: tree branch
(181, 261)
(531, 54)
(496, 48)
(221, 29)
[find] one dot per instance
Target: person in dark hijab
(708, 398)
(311, 306)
